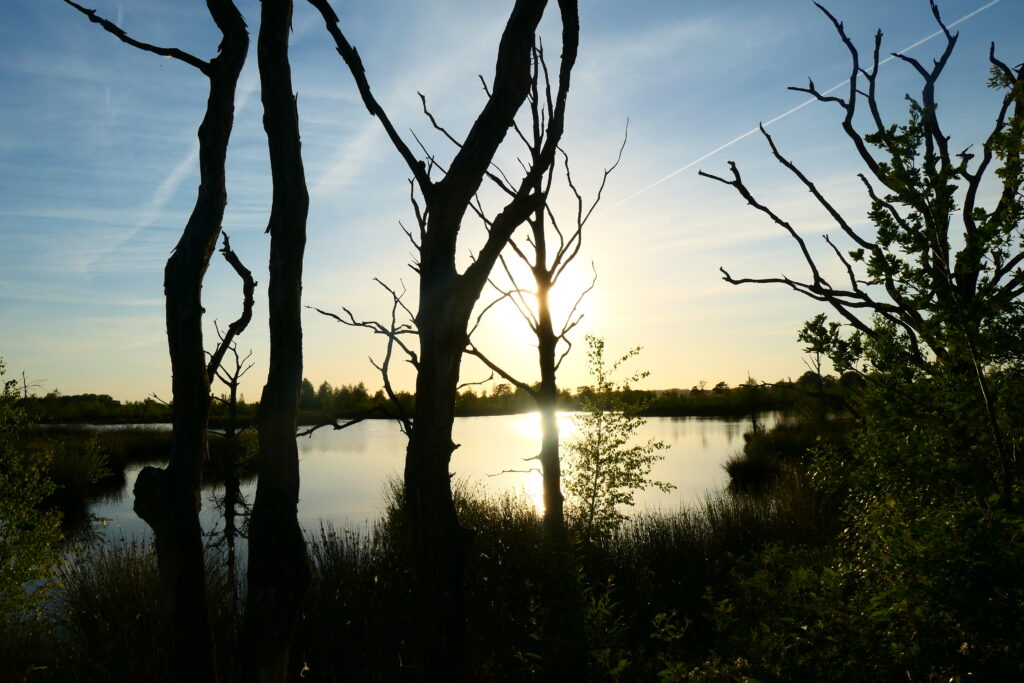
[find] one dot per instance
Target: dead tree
(446, 301)
(279, 569)
(231, 379)
(547, 253)
(227, 338)
(232, 500)
(168, 499)
(922, 287)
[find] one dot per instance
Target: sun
(571, 297)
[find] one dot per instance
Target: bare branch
(495, 368)
(238, 326)
(490, 378)
(737, 183)
(604, 176)
(376, 411)
(569, 322)
(169, 52)
(393, 332)
(355, 66)
(813, 189)
(438, 127)
(529, 471)
(504, 295)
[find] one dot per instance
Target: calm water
(344, 472)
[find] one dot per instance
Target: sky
(98, 172)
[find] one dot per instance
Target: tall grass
(356, 618)
(105, 623)
(356, 622)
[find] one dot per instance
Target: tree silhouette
(921, 291)
(446, 301)
(231, 378)
(547, 253)
(168, 499)
(279, 568)
(551, 246)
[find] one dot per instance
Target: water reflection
(345, 473)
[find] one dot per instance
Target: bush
(29, 536)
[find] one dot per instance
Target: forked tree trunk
(279, 571)
(440, 544)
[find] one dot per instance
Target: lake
(343, 473)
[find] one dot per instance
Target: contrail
(783, 115)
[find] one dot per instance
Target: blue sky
(98, 173)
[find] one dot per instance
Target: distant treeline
(326, 402)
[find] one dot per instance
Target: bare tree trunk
(547, 404)
(169, 499)
(279, 571)
(441, 544)
(563, 642)
(447, 297)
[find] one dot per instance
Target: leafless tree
(168, 499)
(27, 388)
(232, 500)
(446, 301)
(231, 377)
(550, 247)
(549, 250)
(279, 569)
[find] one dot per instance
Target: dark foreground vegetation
(843, 552)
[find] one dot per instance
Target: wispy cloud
(155, 208)
(787, 113)
(349, 158)
(149, 213)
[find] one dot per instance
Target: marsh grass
(357, 619)
(105, 623)
(356, 623)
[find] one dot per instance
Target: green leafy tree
(29, 537)
(931, 293)
(924, 580)
(605, 467)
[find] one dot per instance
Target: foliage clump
(604, 468)
(29, 536)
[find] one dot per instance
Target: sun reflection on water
(528, 425)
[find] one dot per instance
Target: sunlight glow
(562, 300)
(529, 426)
(533, 485)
